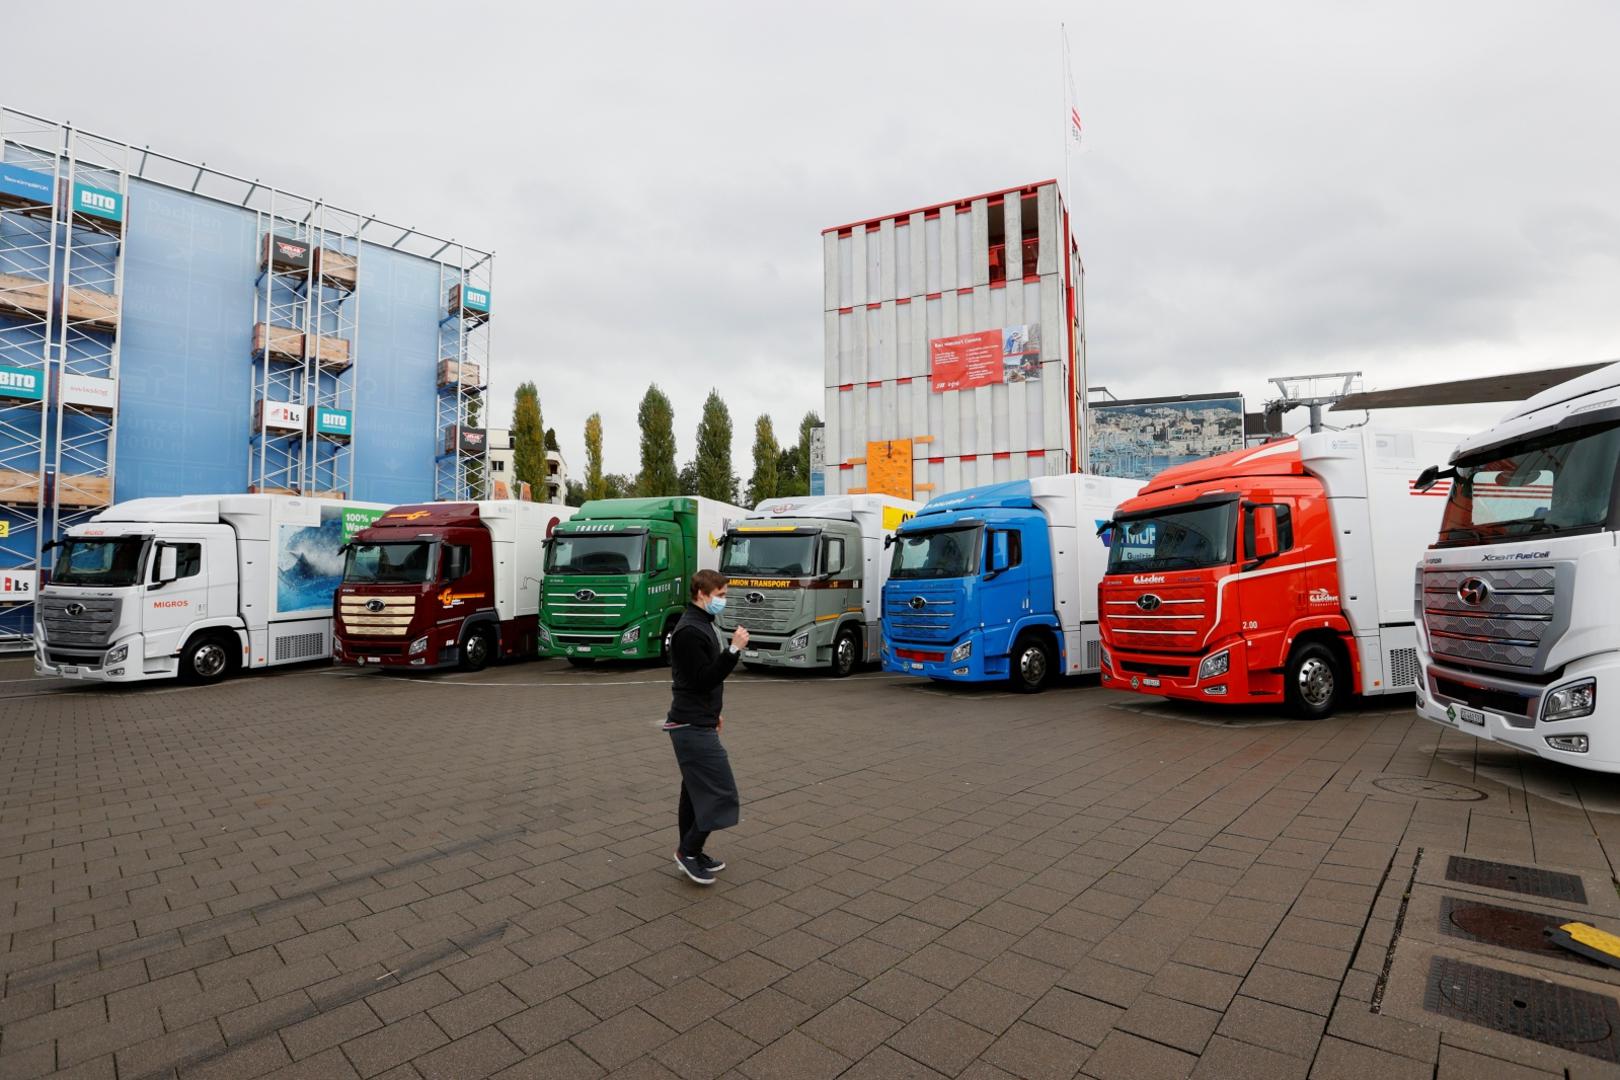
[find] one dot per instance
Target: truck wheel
(1313, 681)
(846, 652)
(477, 649)
(207, 659)
(1031, 667)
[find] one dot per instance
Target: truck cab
(999, 582)
(617, 573)
(1520, 643)
(806, 578)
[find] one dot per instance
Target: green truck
(617, 574)
(807, 579)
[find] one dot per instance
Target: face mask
(715, 606)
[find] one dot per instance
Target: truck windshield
(752, 555)
(1175, 538)
(937, 553)
(395, 563)
(104, 561)
(596, 553)
(1553, 484)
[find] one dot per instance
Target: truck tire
(1030, 665)
(477, 649)
(1313, 682)
(846, 652)
(208, 658)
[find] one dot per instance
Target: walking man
(698, 667)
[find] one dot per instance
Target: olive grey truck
(807, 579)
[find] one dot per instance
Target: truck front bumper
(393, 653)
(129, 663)
(936, 661)
(1177, 676)
(603, 644)
(1485, 707)
(806, 647)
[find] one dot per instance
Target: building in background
(954, 339)
(1142, 437)
(556, 477)
(168, 329)
(501, 456)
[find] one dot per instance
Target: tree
(801, 453)
(715, 480)
(594, 488)
(689, 478)
(617, 486)
(659, 474)
(787, 479)
(762, 485)
(551, 440)
(576, 494)
(528, 438)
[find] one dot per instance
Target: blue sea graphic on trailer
(309, 563)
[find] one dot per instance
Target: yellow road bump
(1588, 941)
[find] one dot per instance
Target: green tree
(801, 453)
(528, 438)
(551, 440)
(762, 485)
(715, 480)
(594, 488)
(659, 475)
(787, 478)
(576, 494)
(617, 486)
(689, 478)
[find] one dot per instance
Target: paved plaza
(323, 874)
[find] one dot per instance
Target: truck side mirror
(1430, 477)
(1265, 533)
(168, 564)
(833, 557)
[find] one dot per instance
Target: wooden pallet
(285, 342)
(19, 488)
(469, 374)
(333, 353)
(453, 306)
(92, 308)
(284, 255)
(255, 489)
(336, 268)
(83, 491)
(24, 296)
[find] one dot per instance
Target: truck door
(1003, 587)
(1272, 591)
(173, 607)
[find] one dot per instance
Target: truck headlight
(118, 655)
(630, 636)
(419, 646)
(962, 652)
(1105, 657)
(1215, 665)
(1568, 702)
(545, 636)
(801, 641)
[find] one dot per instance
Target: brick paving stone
(1337, 1059)
(1074, 1016)
(1226, 1059)
(1105, 982)
(904, 997)
(329, 1029)
(820, 984)
(483, 1053)
(1195, 985)
(469, 1012)
(1034, 1053)
(1354, 1022)
(1292, 988)
(622, 1039)
(1276, 1027)
(395, 1044)
(1174, 1023)
(795, 1057)
(745, 974)
(331, 1065)
(767, 1015)
(851, 1028)
(888, 1064)
(985, 1006)
(706, 1050)
(941, 1041)
(1458, 1064)
(612, 994)
(565, 1061)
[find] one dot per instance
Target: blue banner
(475, 300)
(25, 183)
(333, 422)
(22, 383)
(98, 202)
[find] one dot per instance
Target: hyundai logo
(1148, 602)
(754, 597)
(918, 603)
(1473, 592)
(375, 606)
(74, 609)
(584, 594)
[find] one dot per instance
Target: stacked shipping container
(1001, 268)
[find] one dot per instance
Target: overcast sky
(1415, 191)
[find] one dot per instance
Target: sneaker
(693, 868)
(711, 865)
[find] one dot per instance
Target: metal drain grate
(1546, 1012)
(1520, 879)
(1509, 928)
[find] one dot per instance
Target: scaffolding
(30, 187)
(461, 469)
(306, 326)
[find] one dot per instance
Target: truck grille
(911, 613)
(758, 609)
(1505, 619)
(71, 622)
(376, 616)
(1155, 618)
(586, 607)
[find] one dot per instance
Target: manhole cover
(1528, 880)
(1510, 928)
(1546, 1012)
(1421, 788)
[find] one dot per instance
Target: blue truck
(1000, 582)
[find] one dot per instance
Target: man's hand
(739, 639)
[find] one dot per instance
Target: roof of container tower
(935, 208)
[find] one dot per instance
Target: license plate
(750, 653)
(583, 648)
(1150, 682)
(373, 659)
(1471, 716)
(70, 671)
(916, 666)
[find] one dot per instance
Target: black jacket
(698, 665)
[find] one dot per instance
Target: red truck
(1280, 573)
(444, 585)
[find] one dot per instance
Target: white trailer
(1075, 506)
(518, 532)
(196, 586)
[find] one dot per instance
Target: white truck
(807, 578)
(197, 586)
(1520, 640)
